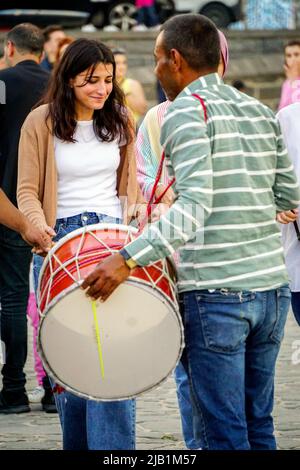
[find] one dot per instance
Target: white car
(222, 13)
(119, 13)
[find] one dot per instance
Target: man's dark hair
(27, 38)
(293, 42)
(51, 29)
(238, 84)
(195, 37)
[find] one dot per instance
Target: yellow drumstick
(98, 338)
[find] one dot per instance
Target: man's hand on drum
(38, 237)
(286, 217)
(107, 276)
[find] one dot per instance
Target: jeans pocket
(283, 300)
(224, 319)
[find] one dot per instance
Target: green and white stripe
(232, 175)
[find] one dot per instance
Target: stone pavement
(158, 423)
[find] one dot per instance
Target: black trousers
(15, 261)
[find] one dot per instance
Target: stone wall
(256, 57)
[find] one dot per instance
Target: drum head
(141, 342)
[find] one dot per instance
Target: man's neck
(22, 58)
(192, 75)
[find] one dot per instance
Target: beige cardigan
(37, 174)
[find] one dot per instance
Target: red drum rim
(73, 234)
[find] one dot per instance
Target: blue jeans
(185, 407)
(87, 424)
(296, 306)
(147, 16)
(232, 342)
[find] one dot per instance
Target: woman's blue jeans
(185, 407)
(87, 424)
(232, 342)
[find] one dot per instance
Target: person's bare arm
(12, 218)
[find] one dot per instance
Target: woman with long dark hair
(76, 164)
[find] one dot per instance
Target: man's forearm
(10, 215)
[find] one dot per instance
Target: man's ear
(10, 49)
(175, 59)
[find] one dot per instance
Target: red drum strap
(152, 199)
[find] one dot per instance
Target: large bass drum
(113, 350)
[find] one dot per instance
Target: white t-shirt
(87, 174)
(289, 118)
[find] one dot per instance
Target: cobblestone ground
(158, 423)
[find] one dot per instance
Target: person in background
(289, 118)
(38, 393)
(52, 34)
(25, 82)
(62, 46)
(148, 153)
(239, 85)
(133, 90)
(146, 15)
(3, 64)
(290, 91)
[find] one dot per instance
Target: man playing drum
(233, 176)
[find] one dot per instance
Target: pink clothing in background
(144, 3)
(290, 93)
(33, 315)
(224, 50)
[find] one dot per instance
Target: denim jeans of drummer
(232, 343)
(87, 424)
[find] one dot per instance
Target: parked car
(222, 13)
(121, 14)
(76, 13)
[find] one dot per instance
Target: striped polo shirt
(232, 174)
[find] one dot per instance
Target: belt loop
(84, 218)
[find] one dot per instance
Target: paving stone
(158, 422)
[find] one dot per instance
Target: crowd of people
(219, 150)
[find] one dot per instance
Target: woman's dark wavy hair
(110, 122)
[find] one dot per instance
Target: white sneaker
(89, 28)
(139, 27)
(36, 395)
(111, 28)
